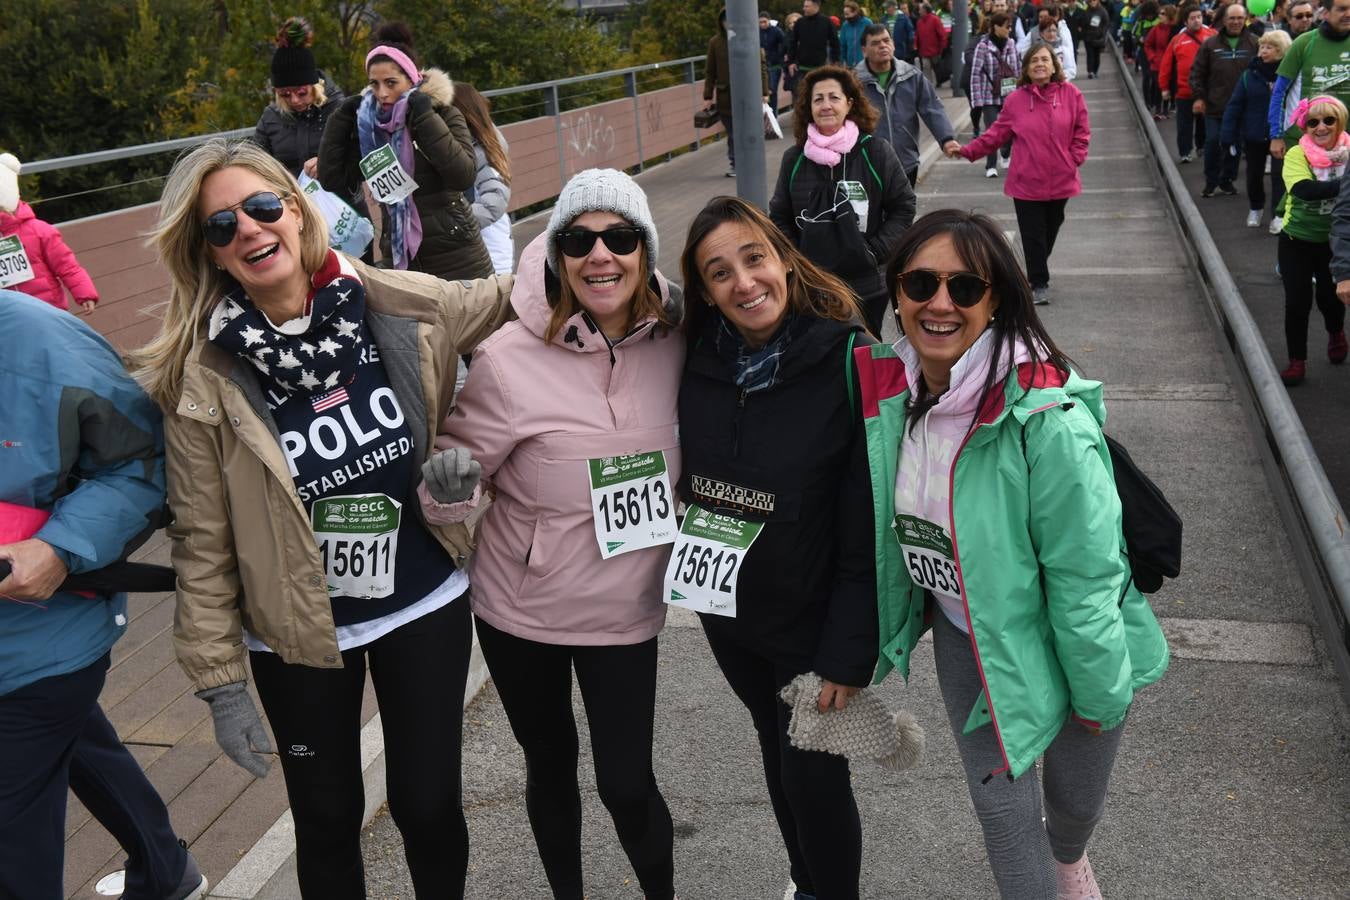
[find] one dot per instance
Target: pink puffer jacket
(532, 413)
(53, 263)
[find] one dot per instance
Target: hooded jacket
(908, 97)
(850, 40)
(806, 592)
(1217, 68)
(79, 440)
(1057, 627)
(930, 38)
(1174, 72)
(1244, 117)
(53, 262)
(532, 413)
(1052, 131)
(242, 545)
(444, 167)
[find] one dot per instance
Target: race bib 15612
(706, 561)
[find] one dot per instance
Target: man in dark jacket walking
(902, 34)
(901, 95)
(774, 44)
(1218, 65)
(717, 84)
(930, 40)
(814, 40)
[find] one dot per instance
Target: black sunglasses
(577, 242)
(1329, 121)
(965, 288)
(220, 226)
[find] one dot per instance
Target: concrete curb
(267, 870)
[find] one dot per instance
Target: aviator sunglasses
(577, 242)
(220, 226)
(921, 285)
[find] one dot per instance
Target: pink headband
(1300, 116)
(402, 59)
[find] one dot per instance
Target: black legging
(618, 686)
(811, 794)
(1038, 223)
(1300, 262)
(1094, 58)
(1257, 154)
(419, 671)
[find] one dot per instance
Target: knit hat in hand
(865, 729)
(9, 182)
(293, 64)
(607, 190)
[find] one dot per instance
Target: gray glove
(239, 729)
(451, 475)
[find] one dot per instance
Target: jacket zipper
(736, 424)
(965, 601)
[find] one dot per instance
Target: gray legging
(1077, 766)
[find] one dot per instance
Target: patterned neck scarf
(756, 370)
(309, 355)
(374, 129)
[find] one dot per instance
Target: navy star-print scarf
(312, 354)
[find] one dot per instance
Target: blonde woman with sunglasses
(301, 390)
(998, 526)
(569, 415)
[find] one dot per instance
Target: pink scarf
(1323, 161)
(829, 150)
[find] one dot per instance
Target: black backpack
(1152, 527)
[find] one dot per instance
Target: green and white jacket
(1057, 626)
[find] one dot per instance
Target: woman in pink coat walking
(1047, 116)
(48, 267)
(569, 415)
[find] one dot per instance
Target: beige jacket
(242, 546)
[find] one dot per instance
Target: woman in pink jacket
(1049, 119)
(569, 415)
(47, 261)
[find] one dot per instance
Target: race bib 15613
(632, 502)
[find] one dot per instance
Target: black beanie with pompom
(293, 64)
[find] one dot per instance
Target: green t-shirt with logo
(1307, 220)
(1314, 65)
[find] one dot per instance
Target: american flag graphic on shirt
(330, 399)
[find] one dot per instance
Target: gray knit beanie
(607, 190)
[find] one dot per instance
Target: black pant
(1300, 262)
(811, 794)
(1257, 154)
(991, 114)
(618, 686)
(975, 112)
(54, 736)
(1094, 58)
(731, 142)
(1190, 128)
(419, 671)
(1038, 222)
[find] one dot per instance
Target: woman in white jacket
(492, 183)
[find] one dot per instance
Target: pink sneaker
(1074, 881)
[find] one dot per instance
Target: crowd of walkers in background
(342, 503)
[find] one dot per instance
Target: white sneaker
(991, 172)
(1003, 161)
(1267, 165)
(1188, 158)
(1276, 225)
(1254, 219)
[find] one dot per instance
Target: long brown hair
(811, 290)
(477, 111)
(861, 112)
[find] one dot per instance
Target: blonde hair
(195, 282)
(1277, 40)
(1323, 105)
(281, 106)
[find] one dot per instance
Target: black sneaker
(1208, 191)
(1228, 189)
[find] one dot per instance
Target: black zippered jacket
(806, 595)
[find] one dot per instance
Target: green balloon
(1260, 7)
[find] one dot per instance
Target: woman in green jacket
(998, 525)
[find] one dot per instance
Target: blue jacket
(80, 440)
(1244, 118)
(850, 40)
(903, 36)
(774, 44)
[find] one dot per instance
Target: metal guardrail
(1315, 501)
(552, 106)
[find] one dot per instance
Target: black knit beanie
(293, 64)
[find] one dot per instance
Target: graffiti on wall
(588, 137)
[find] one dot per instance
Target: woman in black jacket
(842, 196)
(410, 145)
(291, 126)
(776, 553)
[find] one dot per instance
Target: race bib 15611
(358, 543)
